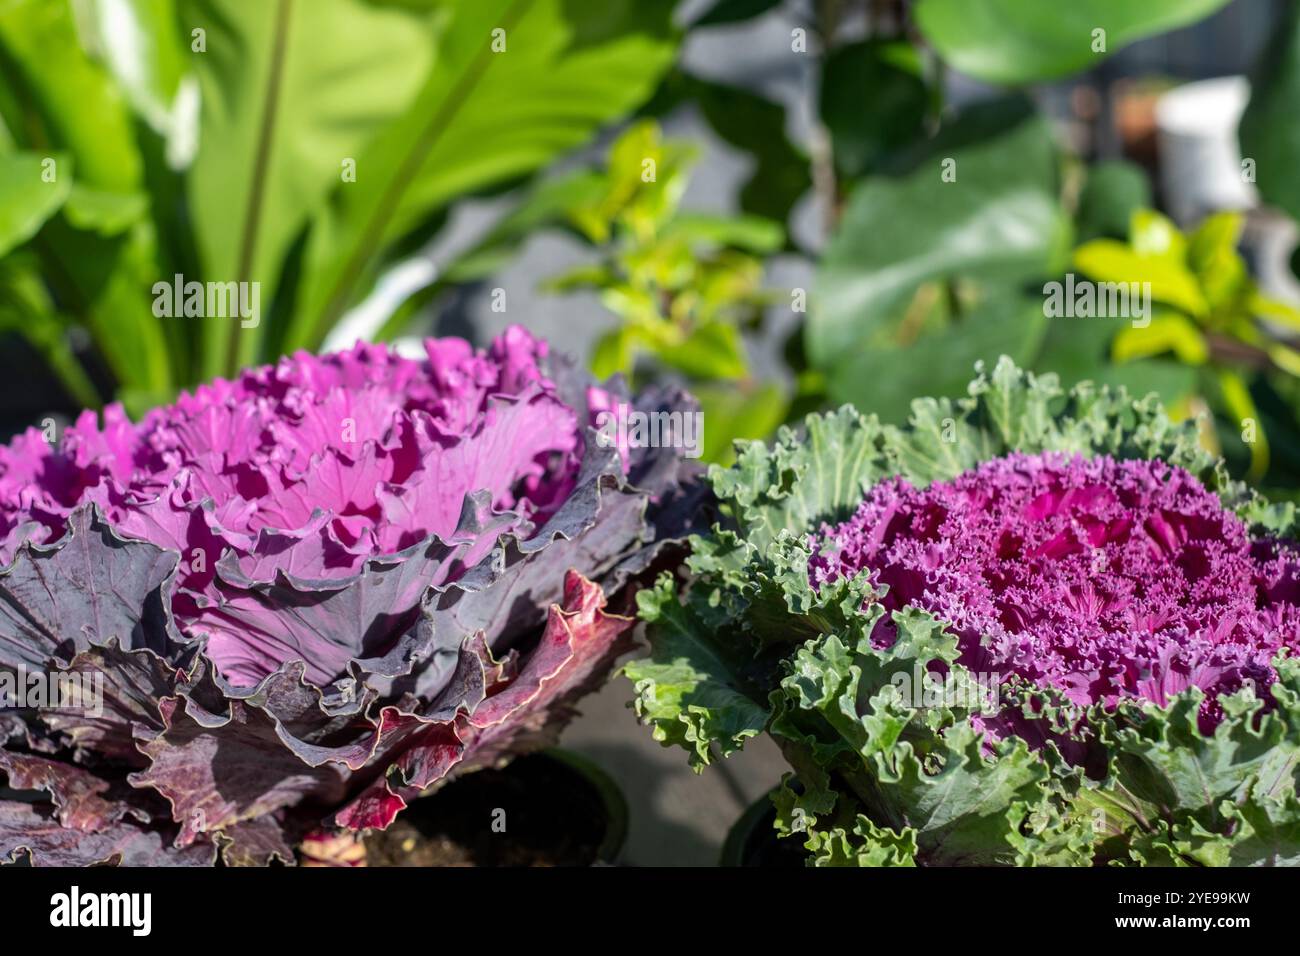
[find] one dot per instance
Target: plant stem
(822, 148)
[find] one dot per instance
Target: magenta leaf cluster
(1099, 578)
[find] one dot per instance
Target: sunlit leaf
(1023, 41)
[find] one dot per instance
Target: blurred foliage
(682, 286)
(1209, 314)
(933, 237)
(214, 139)
(1023, 41)
(943, 228)
(900, 310)
(1270, 132)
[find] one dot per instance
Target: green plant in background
(942, 226)
(933, 267)
(303, 147)
(682, 285)
(1209, 314)
(311, 150)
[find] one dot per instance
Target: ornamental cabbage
(1029, 628)
(304, 597)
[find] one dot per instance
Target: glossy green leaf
(107, 213)
(291, 93)
(1270, 128)
(873, 102)
(68, 101)
(1283, 313)
(1240, 406)
(105, 283)
(1024, 41)
(712, 351)
(141, 43)
(997, 220)
(483, 117)
(750, 233)
(1166, 332)
(26, 199)
(1108, 260)
(614, 353)
(1212, 256)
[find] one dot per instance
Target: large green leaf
(998, 220)
(290, 92)
(26, 199)
(62, 99)
(67, 100)
(873, 101)
(1022, 41)
(105, 283)
(885, 379)
(1270, 128)
(484, 117)
(140, 43)
(749, 122)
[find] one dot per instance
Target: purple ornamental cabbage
(1030, 628)
(1101, 579)
(303, 597)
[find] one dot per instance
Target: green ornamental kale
(1030, 628)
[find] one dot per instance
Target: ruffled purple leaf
(89, 587)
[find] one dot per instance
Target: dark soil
(765, 848)
(553, 817)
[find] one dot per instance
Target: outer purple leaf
(34, 829)
(522, 711)
(133, 686)
(216, 775)
(257, 842)
(89, 588)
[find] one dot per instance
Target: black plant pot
(553, 808)
(753, 841)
